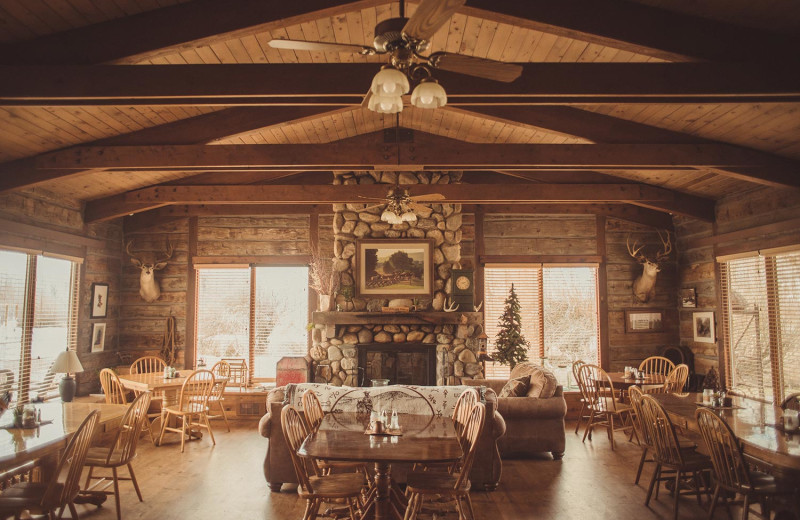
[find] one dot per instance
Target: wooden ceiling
(699, 100)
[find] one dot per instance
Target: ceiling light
(389, 82)
(385, 104)
(408, 216)
(429, 94)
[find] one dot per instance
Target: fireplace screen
(401, 364)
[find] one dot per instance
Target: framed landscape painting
(394, 268)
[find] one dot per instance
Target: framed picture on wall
(394, 268)
(99, 300)
(703, 327)
(98, 337)
(644, 320)
(688, 297)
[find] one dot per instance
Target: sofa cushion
(516, 387)
(410, 399)
(542, 383)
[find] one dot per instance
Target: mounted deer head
(644, 287)
(149, 289)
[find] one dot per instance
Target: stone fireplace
(338, 336)
(400, 363)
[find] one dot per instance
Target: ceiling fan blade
(428, 197)
(480, 67)
(301, 45)
(429, 17)
(365, 102)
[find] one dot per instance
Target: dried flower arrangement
(323, 278)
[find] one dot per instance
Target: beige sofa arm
(494, 384)
(524, 407)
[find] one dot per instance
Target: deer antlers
(636, 253)
(167, 254)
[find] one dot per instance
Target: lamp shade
(390, 82)
(67, 362)
(385, 104)
(429, 94)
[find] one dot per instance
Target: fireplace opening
(400, 363)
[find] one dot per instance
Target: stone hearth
(333, 348)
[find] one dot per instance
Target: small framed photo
(688, 297)
(703, 326)
(99, 300)
(644, 320)
(98, 337)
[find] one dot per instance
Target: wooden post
(602, 293)
(190, 354)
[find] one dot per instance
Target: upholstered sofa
(534, 422)
(435, 400)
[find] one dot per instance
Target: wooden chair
(731, 471)
(222, 373)
(313, 415)
(461, 414)
(582, 414)
(635, 394)
(192, 407)
(240, 375)
(45, 498)
(674, 383)
(120, 453)
(792, 402)
(603, 404)
(316, 489)
(669, 456)
(148, 365)
(422, 483)
(657, 365)
(151, 365)
(112, 388)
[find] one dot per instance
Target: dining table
(756, 424)
(44, 442)
(622, 382)
(424, 439)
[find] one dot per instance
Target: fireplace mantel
(406, 318)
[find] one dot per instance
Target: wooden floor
(226, 481)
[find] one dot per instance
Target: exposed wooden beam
(201, 129)
(638, 28)
(114, 207)
(600, 128)
(344, 84)
(171, 29)
(627, 212)
(369, 152)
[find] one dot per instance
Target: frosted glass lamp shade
(389, 82)
(385, 104)
(408, 216)
(429, 94)
(67, 362)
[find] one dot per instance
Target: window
(271, 302)
(559, 314)
(38, 319)
(761, 319)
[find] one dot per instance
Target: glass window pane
(788, 279)
(13, 268)
(281, 316)
(223, 314)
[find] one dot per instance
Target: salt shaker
(395, 424)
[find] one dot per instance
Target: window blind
(223, 314)
(497, 284)
(13, 276)
(761, 320)
(281, 315)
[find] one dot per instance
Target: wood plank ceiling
(202, 32)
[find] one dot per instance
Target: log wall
(58, 227)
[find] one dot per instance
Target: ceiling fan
(405, 40)
(401, 206)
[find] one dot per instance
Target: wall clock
(463, 289)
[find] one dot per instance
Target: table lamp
(66, 363)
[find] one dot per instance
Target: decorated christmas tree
(511, 345)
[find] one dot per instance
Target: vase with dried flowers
(323, 278)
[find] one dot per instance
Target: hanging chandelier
(390, 85)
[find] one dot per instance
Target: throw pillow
(515, 387)
(543, 384)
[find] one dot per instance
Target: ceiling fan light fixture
(389, 82)
(429, 94)
(390, 217)
(408, 216)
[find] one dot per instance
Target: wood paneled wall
(538, 235)
(629, 349)
(58, 226)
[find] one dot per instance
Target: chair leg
(580, 417)
(88, 477)
(135, 483)
(746, 507)
(163, 428)
(641, 464)
(611, 429)
(315, 509)
(469, 507)
(183, 432)
(588, 430)
(713, 505)
(696, 482)
(677, 492)
(652, 483)
(460, 509)
(73, 512)
(116, 492)
(208, 427)
(307, 512)
(224, 415)
(350, 508)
